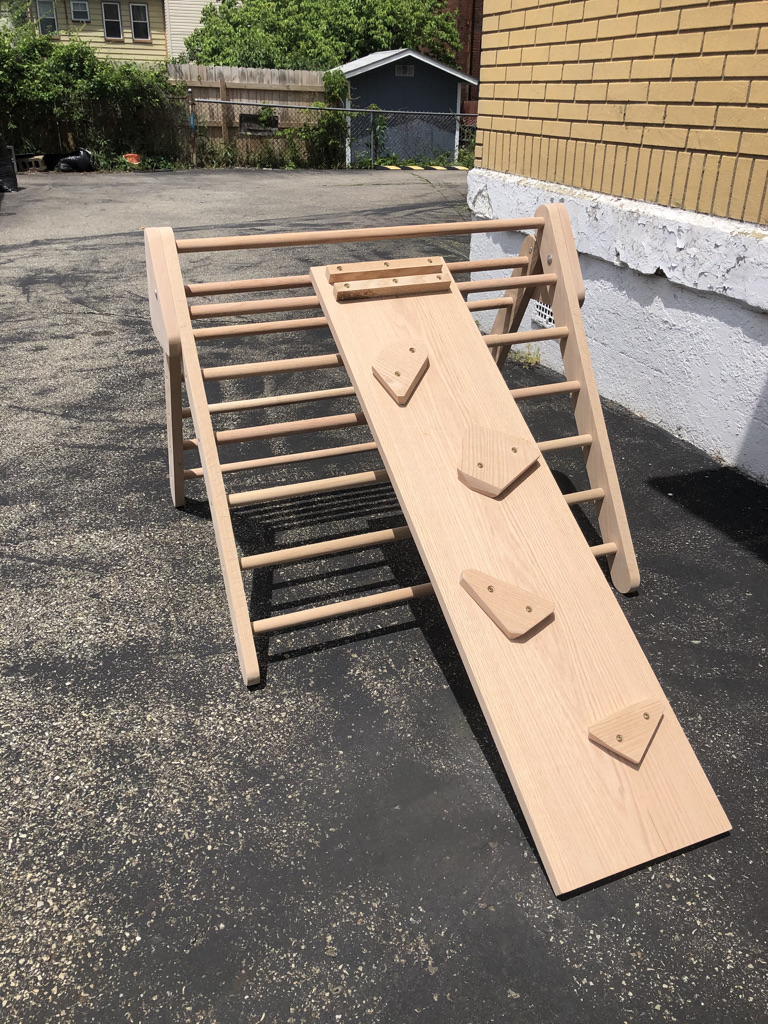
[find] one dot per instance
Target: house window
(80, 10)
(46, 13)
(403, 70)
(113, 24)
(140, 21)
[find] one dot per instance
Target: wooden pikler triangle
(562, 681)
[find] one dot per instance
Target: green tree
(319, 34)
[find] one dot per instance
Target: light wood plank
(591, 815)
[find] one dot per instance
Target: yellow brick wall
(660, 100)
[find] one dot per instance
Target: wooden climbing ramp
(600, 765)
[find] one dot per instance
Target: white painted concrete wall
(686, 348)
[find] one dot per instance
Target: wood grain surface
(591, 814)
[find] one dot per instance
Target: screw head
(386, 264)
(339, 268)
(528, 608)
(346, 284)
(429, 261)
(549, 260)
(646, 716)
(619, 737)
(411, 349)
(397, 373)
(530, 249)
(490, 590)
(479, 465)
(514, 449)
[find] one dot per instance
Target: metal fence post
(192, 127)
(373, 141)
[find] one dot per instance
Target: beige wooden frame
(556, 280)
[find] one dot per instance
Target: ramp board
(592, 814)
(493, 465)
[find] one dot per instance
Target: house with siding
(649, 120)
(119, 29)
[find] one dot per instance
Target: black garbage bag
(82, 160)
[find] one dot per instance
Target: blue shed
(419, 98)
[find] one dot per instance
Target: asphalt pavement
(341, 844)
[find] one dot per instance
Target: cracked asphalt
(341, 844)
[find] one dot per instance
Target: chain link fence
(242, 133)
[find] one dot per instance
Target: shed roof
(382, 57)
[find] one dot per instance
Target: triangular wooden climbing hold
(629, 732)
(491, 460)
(514, 611)
(399, 368)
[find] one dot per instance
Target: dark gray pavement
(342, 844)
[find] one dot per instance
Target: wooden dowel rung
(266, 284)
(258, 284)
(273, 400)
(237, 370)
(331, 483)
(301, 323)
(264, 431)
(527, 337)
(325, 547)
(557, 443)
(493, 284)
(541, 390)
(282, 460)
(269, 241)
(218, 309)
(604, 549)
(339, 608)
(534, 281)
(499, 263)
(577, 497)
(222, 309)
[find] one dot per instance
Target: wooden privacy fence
(256, 85)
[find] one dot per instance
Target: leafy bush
(57, 96)
(319, 33)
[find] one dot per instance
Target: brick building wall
(469, 21)
(664, 101)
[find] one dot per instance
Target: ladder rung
(604, 549)
(216, 309)
(574, 441)
(281, 460)
(527, 337)
(266, 284)
(534, 281)
(300, 323)
(332, 611)
(267, 430)
(338, 235)
(331, 483)
(498, 284)
(576, 497)
(325, 547)
(237, 370)
(565, 386)
(272, 400)
(258, 284)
